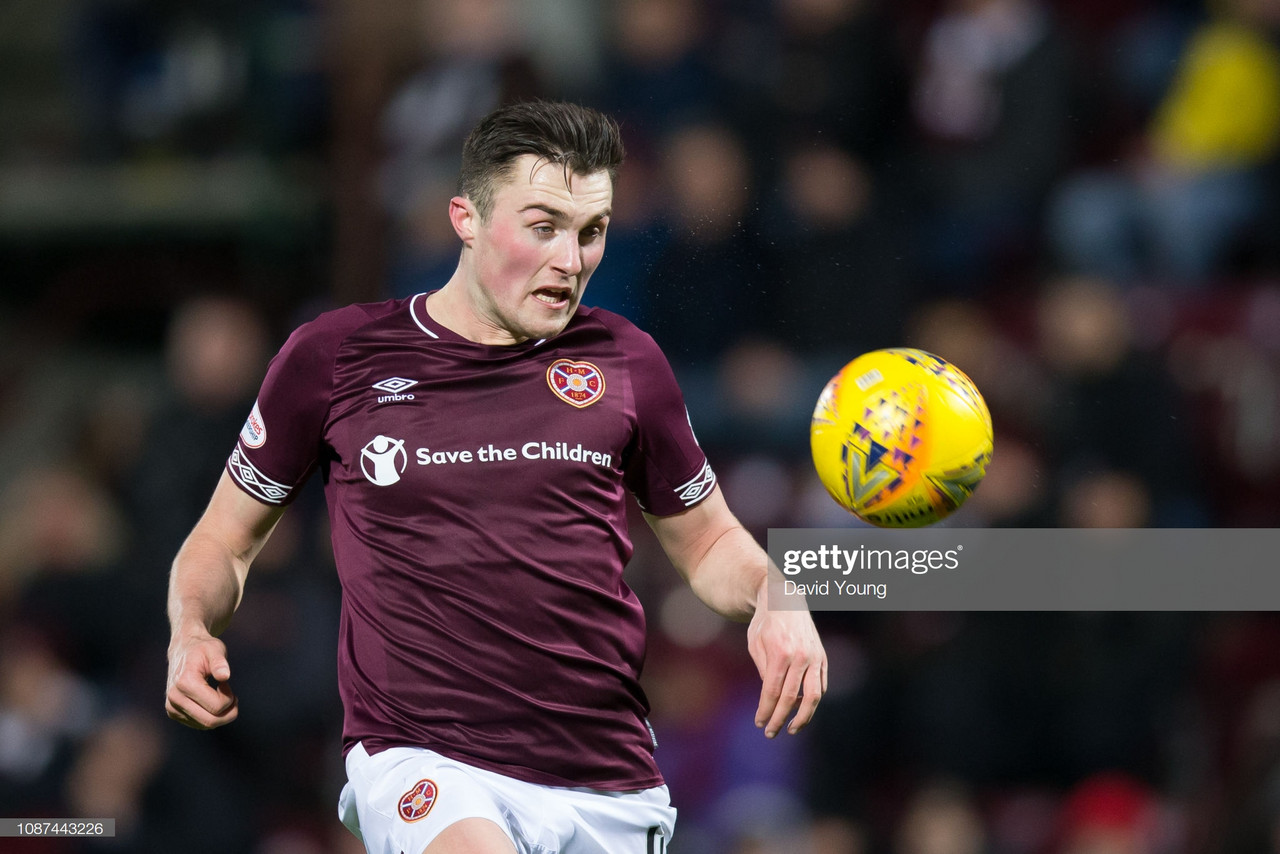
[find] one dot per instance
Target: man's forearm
(205, 585)
(208, 574)
(730, 577)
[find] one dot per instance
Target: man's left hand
(793, 667)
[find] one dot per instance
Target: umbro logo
(394, 386)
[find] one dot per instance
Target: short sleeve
(281, 440)
(669, 473)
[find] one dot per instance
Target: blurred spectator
(753, 399)
(941, 818)
(139, 770)
(843, 284)
(1106, 499)
(992, 98)
(1106, 398)
(712, 285)
(658, 75)
(46, 710)
(1110, 814)
(806, 69)
(65, 542)
(112, 772)
(216, 354)
(108, 442)
(1186, 196)
(566, 43)
(54, 520)
(1226, 358)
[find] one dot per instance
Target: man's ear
(463, 215)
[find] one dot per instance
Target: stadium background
(1075, 201)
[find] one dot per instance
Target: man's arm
(205, 586)
(731, 573)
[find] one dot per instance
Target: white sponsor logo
(254, 431)
(394, 386)
(383, 460)
(530, 451)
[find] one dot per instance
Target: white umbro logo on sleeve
(394, 386)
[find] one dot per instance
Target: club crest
(417, 802)
(577, 383)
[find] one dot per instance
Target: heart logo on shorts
(417, 802)
(578, 383)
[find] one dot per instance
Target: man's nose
(568, 258)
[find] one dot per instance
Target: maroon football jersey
(476, 495)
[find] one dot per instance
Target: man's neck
(452, 308)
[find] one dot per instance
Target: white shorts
(399, 800)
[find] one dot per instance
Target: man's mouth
(553, 297)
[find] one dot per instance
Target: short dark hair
(581, 139)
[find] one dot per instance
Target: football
(900, 437)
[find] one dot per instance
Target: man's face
(531, 260)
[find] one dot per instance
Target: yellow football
(900, 437)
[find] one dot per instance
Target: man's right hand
(204, 589)
(190, 698)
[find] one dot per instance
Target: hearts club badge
(577, 383)
(417, 802)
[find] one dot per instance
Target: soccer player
(475, 443)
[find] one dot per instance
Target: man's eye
(544, 230)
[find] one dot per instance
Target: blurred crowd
(1077, 202)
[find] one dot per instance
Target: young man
(475, 443)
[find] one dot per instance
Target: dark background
(1075, 202)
